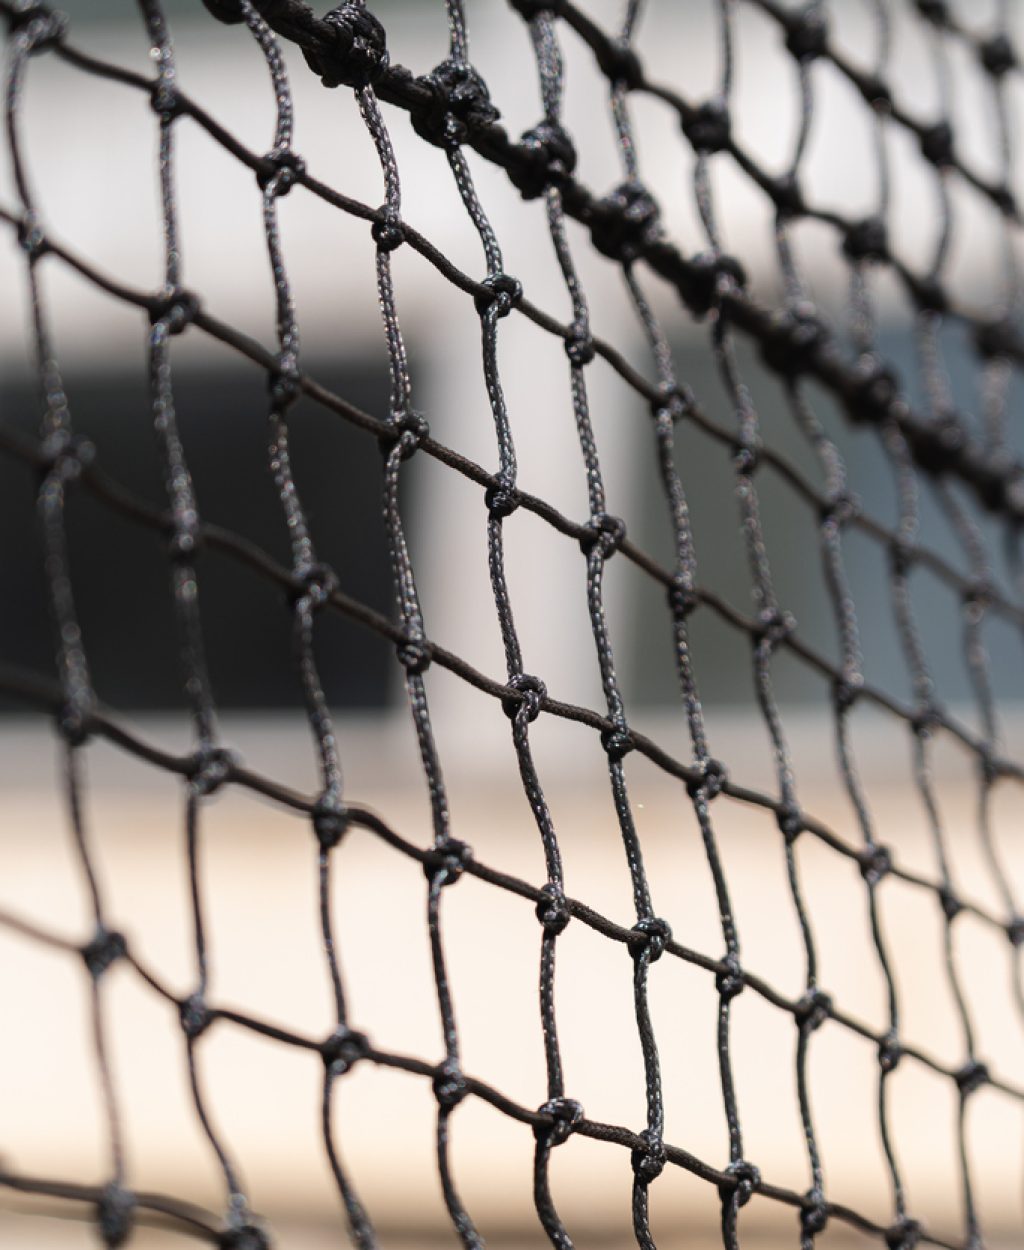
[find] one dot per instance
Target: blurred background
(91, 154)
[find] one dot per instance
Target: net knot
(177, 308)
(387, 230)
(790, 820)
(890, 1052)
(876, 91)
(74, 721)
(531, 691)
(874, 390)
(279, 171)
(709, 781)
(997, 55)
(813, 1010)
(997, 338)
(807, 33)
(549, 155)
(649, 1159)
(774, 627)
(620, 64)
(794, 338)
(949, 902)
(846, 690)
(617, 742)
(1005, 200)
(552, 909)
(563, 1116)
(682, 597)
(924, 719)
(115, 1212)
(408, 431)
(840, 510)
(244, 1237)
(708, 126)
(655, 934)
(746, 456)
(935, 11)
(990, 767)
(746, 1178)
(209, 768)
(928, 293)
(529, 9)
(343, 1050)
(449, 1084)
(227, 11)
(330, 820)
(937, 144)
(501, 500)
(710, 277)
(971, 1077)
(103, 950)
(624, 221)
(605, 533)
(31, 239)
(414, 655)
(44, 27)
(313, 585)
(940, 442)
(875, 862)
(813, 1213)
(904, 1235)
(978, 592)
(67, 455)
(730, 979)
(194, 1015)
(901, 555)
(1015, 930)
(458, 103)
(787, 196)
(357, 52)
(579, 346)
(185, 541)
(166, 100)
(284, 381)
(866, 239)
(502, 294)
(444, 863)
(674, 400)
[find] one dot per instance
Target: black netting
(929, 445)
